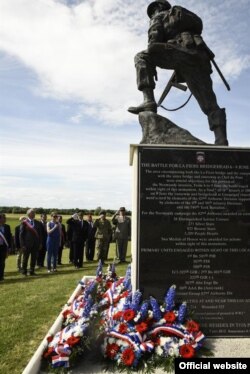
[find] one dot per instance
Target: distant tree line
(40, 210)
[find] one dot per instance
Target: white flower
(164, 340)
(159, 351)
(173, 351)
(181, 342)
(150, 314)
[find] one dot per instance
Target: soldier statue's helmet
(154, 4)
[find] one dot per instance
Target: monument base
(191, 228)
(160, 130)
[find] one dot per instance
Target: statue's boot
(218, 123)
(148, 104)
(220, 133)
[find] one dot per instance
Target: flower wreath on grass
(132, 334)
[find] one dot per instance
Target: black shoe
(149, 106)
(24, 273)
(1, 279)
(33, 274)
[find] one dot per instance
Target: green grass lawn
(29, 306)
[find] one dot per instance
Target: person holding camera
(53, 242)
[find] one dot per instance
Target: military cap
(152, 6)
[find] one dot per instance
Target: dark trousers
(195, 69)
(90, 249)
(59, 257)
(78, 248)
(122, 245)
(71, 252)
(32, 252)
(41, 256)
(3, 254)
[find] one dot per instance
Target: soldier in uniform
(175, 42)
(102, 235)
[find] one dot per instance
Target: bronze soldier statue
(175, 42)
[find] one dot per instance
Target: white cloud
(85, 52)
(42, 168)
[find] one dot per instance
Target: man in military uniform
(175, 42)
(102, 235)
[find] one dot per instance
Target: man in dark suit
(79, 236)
(5, 243)
(90, 242)
(43, 248)
(62, 241)
(70, 225)
(30, 241)
(18, 245)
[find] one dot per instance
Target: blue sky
(66, 79)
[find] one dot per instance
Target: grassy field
(29, 306)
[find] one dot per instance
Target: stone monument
(191, 200)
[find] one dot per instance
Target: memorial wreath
(132, 334)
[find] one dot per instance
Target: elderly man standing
(122, 232)
(17, 244)
(30, 241)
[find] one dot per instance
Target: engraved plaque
(193, 230)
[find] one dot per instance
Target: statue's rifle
(173, 81)
(212, 56)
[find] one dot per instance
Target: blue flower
(136, 298)
(127, 279)
(99, 269)
(182, 312)
(169, 298)
(87, 307)
(144, 310)
(155, 308)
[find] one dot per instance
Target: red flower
(141, 327)
(72, 340)
(129, 314)
(187, 351)
(128, 356)
(117, 315)
(169, 317)
(112, 350)
(125, 294)
(66, 313)
(49, 352)
(108, 284)
(123, 328)
(192, 326)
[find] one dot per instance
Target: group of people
(37, 240)
(97, 235)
